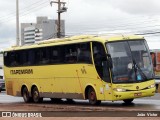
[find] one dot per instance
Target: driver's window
(100, 60)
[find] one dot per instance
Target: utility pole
(59, 11)
(17, 23)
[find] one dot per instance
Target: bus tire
(35, 95)
(25, 95)
(128, 101)
(92, 97)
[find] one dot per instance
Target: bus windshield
(131, 61)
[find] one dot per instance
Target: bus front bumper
(133, 94)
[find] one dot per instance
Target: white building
(29, 35)
(42, 30)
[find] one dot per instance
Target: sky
(86, 17)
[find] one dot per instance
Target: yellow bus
(96, 68)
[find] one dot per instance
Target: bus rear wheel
(128, 101)
(35, 95)
(25, 95)
(92, 97)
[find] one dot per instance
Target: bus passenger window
(6, 58)
(71, 53)
(84, 53)
(13, 61)
(31, 57)
(24, 57)
(54, 55)
(42, 56)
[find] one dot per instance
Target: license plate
(137, 94)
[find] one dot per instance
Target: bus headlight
(119, 89)
(151, 86)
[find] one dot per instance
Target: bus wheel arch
(25, 94)
(90, 94)
(86, 91)
(35, 94)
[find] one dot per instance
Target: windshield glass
(131, 61)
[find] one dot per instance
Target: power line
(115, 20)
(40, 4)
(24, 11)
(120, 26)
(21, 9)
(149, 33)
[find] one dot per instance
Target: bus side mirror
(109, 59)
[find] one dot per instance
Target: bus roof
(76, 39)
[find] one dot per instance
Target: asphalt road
(81, 107)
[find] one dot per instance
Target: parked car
(2, 85)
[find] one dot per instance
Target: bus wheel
(25, 95)
(128, 101)
(36, 96)
(92, 97)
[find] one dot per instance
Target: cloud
(92, 15)
(7, 31)
(143, 7)
(84, 16)
(83, 10)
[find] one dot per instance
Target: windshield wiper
(136, 67)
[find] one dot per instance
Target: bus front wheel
(25, 95)
(128, 101)
(36, 96)
(92, 97)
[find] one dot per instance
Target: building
(43, 29)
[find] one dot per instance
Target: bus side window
(31, 57)
(13, 58)
(24, 58)
(9, 57)
(41, 56)
(44, 55)
(100, 61)
(56, 55)
(6, 58)
(71, 53)
(84, 53)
